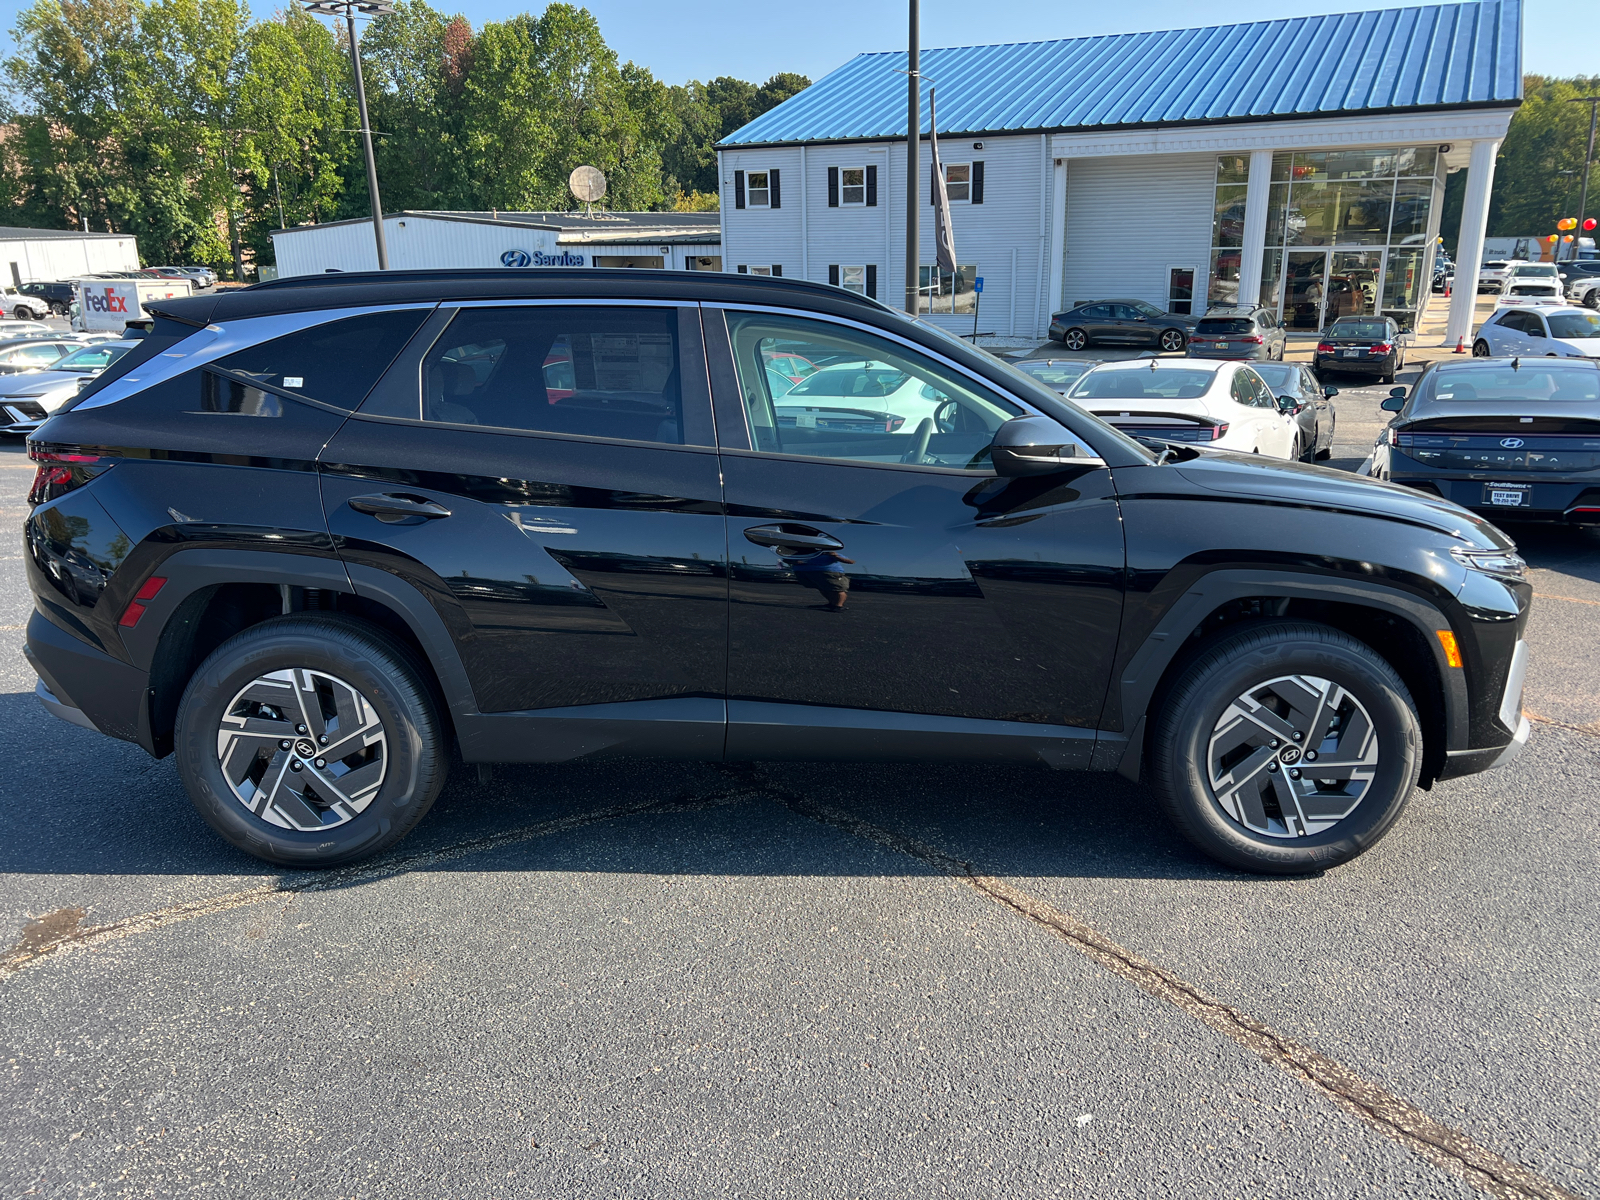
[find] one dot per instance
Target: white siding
(1129, 218)
(1007, 227)
(52, 258)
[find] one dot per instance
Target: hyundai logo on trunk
(1511, 443)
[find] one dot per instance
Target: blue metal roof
(1431, 56)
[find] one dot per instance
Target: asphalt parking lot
(821, 980)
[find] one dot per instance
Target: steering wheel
(945, 416)
(919, 442)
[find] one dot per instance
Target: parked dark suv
(1239, 331)
(312, 536)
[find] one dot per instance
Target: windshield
(1574, 325)
(1141, 383)
(1499, 383)
(1056, 374)
(1281, 378)
(92, 358)
(1359, 329)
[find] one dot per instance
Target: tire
(1260, 666)
(1480, 349)
(399, 753)
(1591, 298)
(1322, 455)
(23, 313)
(1074, 339)
(1172, 341)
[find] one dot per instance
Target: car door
(889, 593)
(1100, 322)
(570, 540)
(1311, 394)
(1132, 326)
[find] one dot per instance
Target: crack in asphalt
(1382, 1110)
(64, 928)
(1588, 730)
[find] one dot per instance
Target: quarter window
(853, 185)
(336, 362)
(593, 372)
(758, 190)
(867, 399)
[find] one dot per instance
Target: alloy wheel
(302, 749)
(1074, 339)
(1171, 340)
(1480, 349)
(1292, 757)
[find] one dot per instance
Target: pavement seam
(1587, 730)
(1395, 1118)
(1568, 599)
(39, 939)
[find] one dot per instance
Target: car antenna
(1516, 363)
(1152, 364)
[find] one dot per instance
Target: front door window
(1305, 290)
(1353, 280)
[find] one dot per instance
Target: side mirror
(1393, 404)
(1329, 392)
(1399, 393)
(1034, 446)
(1288, 404)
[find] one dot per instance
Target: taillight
(893, 423)
(1382, 347)
(136, 606)
(1325, 347)
(61, 468)
(1216, 432)
(1255, 339)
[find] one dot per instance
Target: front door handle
(799, 537)
(391, 507)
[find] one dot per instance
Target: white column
(1469, 247)
(805, 207)
(1056, 243)
(1255, 226)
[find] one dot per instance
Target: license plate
(1507, 496)
(1352, 353)
(1222, 345)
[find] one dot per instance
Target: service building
(1298, 162)
(46, 255)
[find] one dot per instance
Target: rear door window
(609, 372)
(334, 363)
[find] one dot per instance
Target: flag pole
(913, 156)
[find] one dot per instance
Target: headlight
(1505, 563)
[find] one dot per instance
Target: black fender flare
(1136, 685)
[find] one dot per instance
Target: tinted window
(1498, 383)
(594, 372)
(891, 405)
(336, 363)
(1282, 379)
(1141, 383)
(1574, 325)
(1376, 330)
(1216, 325)
(1095, 312)
(94, 358)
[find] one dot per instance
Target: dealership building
(46, 255)
(1298, 163)
(563, 240)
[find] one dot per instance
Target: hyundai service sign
(521, 258)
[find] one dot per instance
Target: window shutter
(777, 268)
(738, 189)
(833, 187)
(743, 270)
(872, 280)
(833, 274)
(772, 182)
(977, 182)
(872, 187)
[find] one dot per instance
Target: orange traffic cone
(1461, 346)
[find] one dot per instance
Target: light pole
(913, 158)
(348, 9)
(1588, 157)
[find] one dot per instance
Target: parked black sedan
(1297, 384)
(1123, 323)
(1361, 346)
(1515, 439)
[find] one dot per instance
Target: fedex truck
(107, 305)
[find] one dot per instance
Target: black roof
(354, 289)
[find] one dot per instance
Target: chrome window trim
(207, 345)
(1028, 410)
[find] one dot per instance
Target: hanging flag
(944, 238)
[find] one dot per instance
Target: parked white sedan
(1542, 329)
(1224, 405)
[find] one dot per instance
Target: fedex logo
(110, 302)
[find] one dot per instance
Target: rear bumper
(105, 692)
(57, 708)
(1354, 366)
(1574, 500)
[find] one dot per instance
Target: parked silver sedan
(1313, 404)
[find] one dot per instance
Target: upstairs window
(758, 191)
(958, 181)
(853, 185)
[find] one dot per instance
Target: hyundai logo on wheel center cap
(305, 748)
(1290, 754)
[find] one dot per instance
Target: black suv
(315, 535)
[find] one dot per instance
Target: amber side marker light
(147, 593)
(1452, 652)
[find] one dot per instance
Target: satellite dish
(587, 183)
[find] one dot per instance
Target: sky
(679, 40)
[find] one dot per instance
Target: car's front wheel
(310, 741)
(1480, 349)
(1286, 748)
(1074, 339)
(1172, 340)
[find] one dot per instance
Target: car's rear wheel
(1480, 349)
(1591, 298)
(1074, 339)
(1172, 340)
(310, 741)
(1286, 748)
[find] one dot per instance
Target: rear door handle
(397, 506)
(777, 537)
